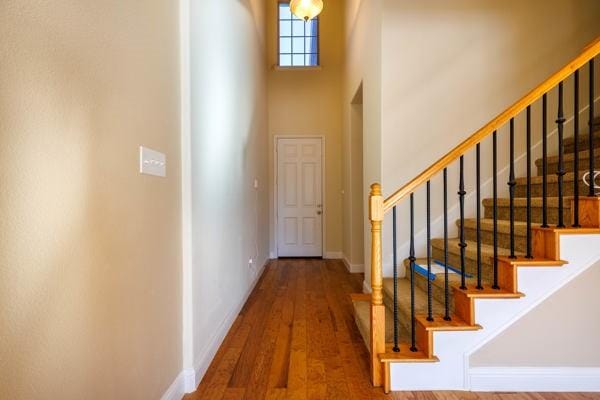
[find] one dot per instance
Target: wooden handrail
(586, 55)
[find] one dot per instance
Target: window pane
(284, 11)
(285, 45)
(298, 40)
(312, 60)
(285, 28)
(312, 45)
(298, 28)
(312, 27)
(285, 60)
(298, 59)
(298, 45)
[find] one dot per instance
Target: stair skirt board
(453, 349)
(538, 379)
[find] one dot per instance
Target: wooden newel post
(377, 342)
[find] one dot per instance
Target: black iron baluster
(446, 278)
(511, 185)
(462, 244)
(429, 288)
(495, 211)
(412, 260)
(545, 161)
(478, 195)
(560, 173)
(395, 252)
(591, 180)
(576, 151)
(529, 252)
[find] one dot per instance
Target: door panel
(299, 198)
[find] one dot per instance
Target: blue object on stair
(423, 271)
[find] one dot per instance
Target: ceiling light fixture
(306, 9)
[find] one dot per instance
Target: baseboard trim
(535, 379)
(333, 255)
(366, 287)
(353, 268)
(177, 389)
(194, 377)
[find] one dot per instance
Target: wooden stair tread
(440, 324)
(571, 230)
(532, 262)
(487, 293)
(405, 355)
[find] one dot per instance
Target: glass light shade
(306, 9)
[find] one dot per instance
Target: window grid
(297, 47)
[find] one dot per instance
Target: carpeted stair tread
(536, 209)
(487, 251)
(487, 232)
(362, 316)
(522, 202)
(438, 284)
(568, 158)
(551, 177)
(569, 142)
(404, 300)
(439, 281)
(487, 224)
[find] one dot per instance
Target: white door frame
(276, 181)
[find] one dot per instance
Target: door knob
(319, 212)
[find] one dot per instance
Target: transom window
(298, 40)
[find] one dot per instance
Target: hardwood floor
(296, 339)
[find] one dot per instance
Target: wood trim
(377, 334)
(589, 212)
(360, 297)
(440, 324)
(592, 50)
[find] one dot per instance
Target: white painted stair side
(495, 315)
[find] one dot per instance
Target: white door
(299, 198)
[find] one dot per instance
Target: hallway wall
(362, 74)
(90, 250)
(308, 102)
(228, 152)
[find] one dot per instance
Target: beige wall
(228, 152)
(90, 281)
(436, 52)
(308, 102)
(450, 67)
(362, 69)
(352, 157)
(571, 340)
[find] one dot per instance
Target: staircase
(439, 291)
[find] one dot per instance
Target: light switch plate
(152, 162)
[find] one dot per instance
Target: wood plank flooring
(296, 339)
